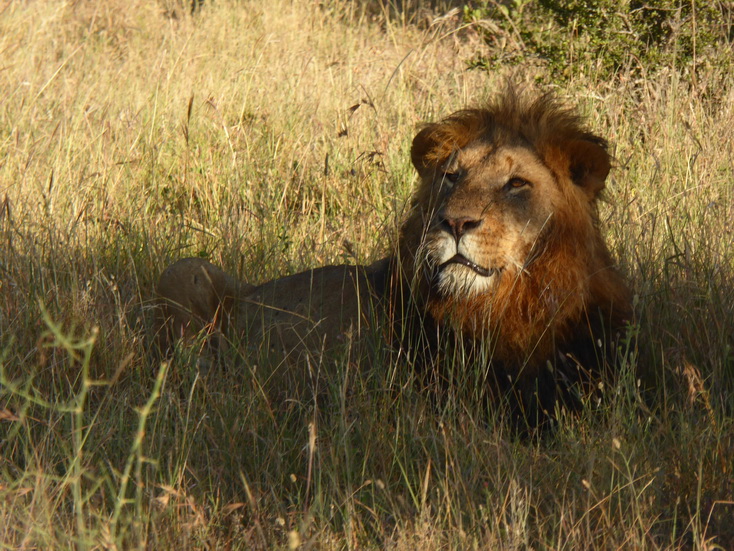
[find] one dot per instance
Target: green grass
(274, 137)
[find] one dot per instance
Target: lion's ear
(423, 146)
(589, 165)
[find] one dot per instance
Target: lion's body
(501, 247)
(314, 310)
(308, 311)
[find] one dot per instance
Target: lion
(500, 252)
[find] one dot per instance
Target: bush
(606, 36)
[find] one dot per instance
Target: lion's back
(314, 310)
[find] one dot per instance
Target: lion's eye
(451, 177)
(516, 183)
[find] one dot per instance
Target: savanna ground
(274, 136)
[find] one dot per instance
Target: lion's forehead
(492, 160)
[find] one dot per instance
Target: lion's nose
(458, 226)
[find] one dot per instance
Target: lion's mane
(567, 297)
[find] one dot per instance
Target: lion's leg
(194, 296)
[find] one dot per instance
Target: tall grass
(270, 137)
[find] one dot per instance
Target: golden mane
(569, 282)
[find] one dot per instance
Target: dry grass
(272, 137)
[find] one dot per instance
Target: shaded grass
(270, 139)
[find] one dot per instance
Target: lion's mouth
(464, 261)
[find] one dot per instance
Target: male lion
(500, 255)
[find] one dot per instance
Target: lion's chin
(465, 279)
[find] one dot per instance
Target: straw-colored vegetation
(274, 136)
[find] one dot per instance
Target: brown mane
(569, 286)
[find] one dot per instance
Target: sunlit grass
(273, 137)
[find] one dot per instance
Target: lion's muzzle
(464, 261)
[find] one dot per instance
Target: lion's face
(490, 207)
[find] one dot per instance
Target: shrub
(607, 36)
